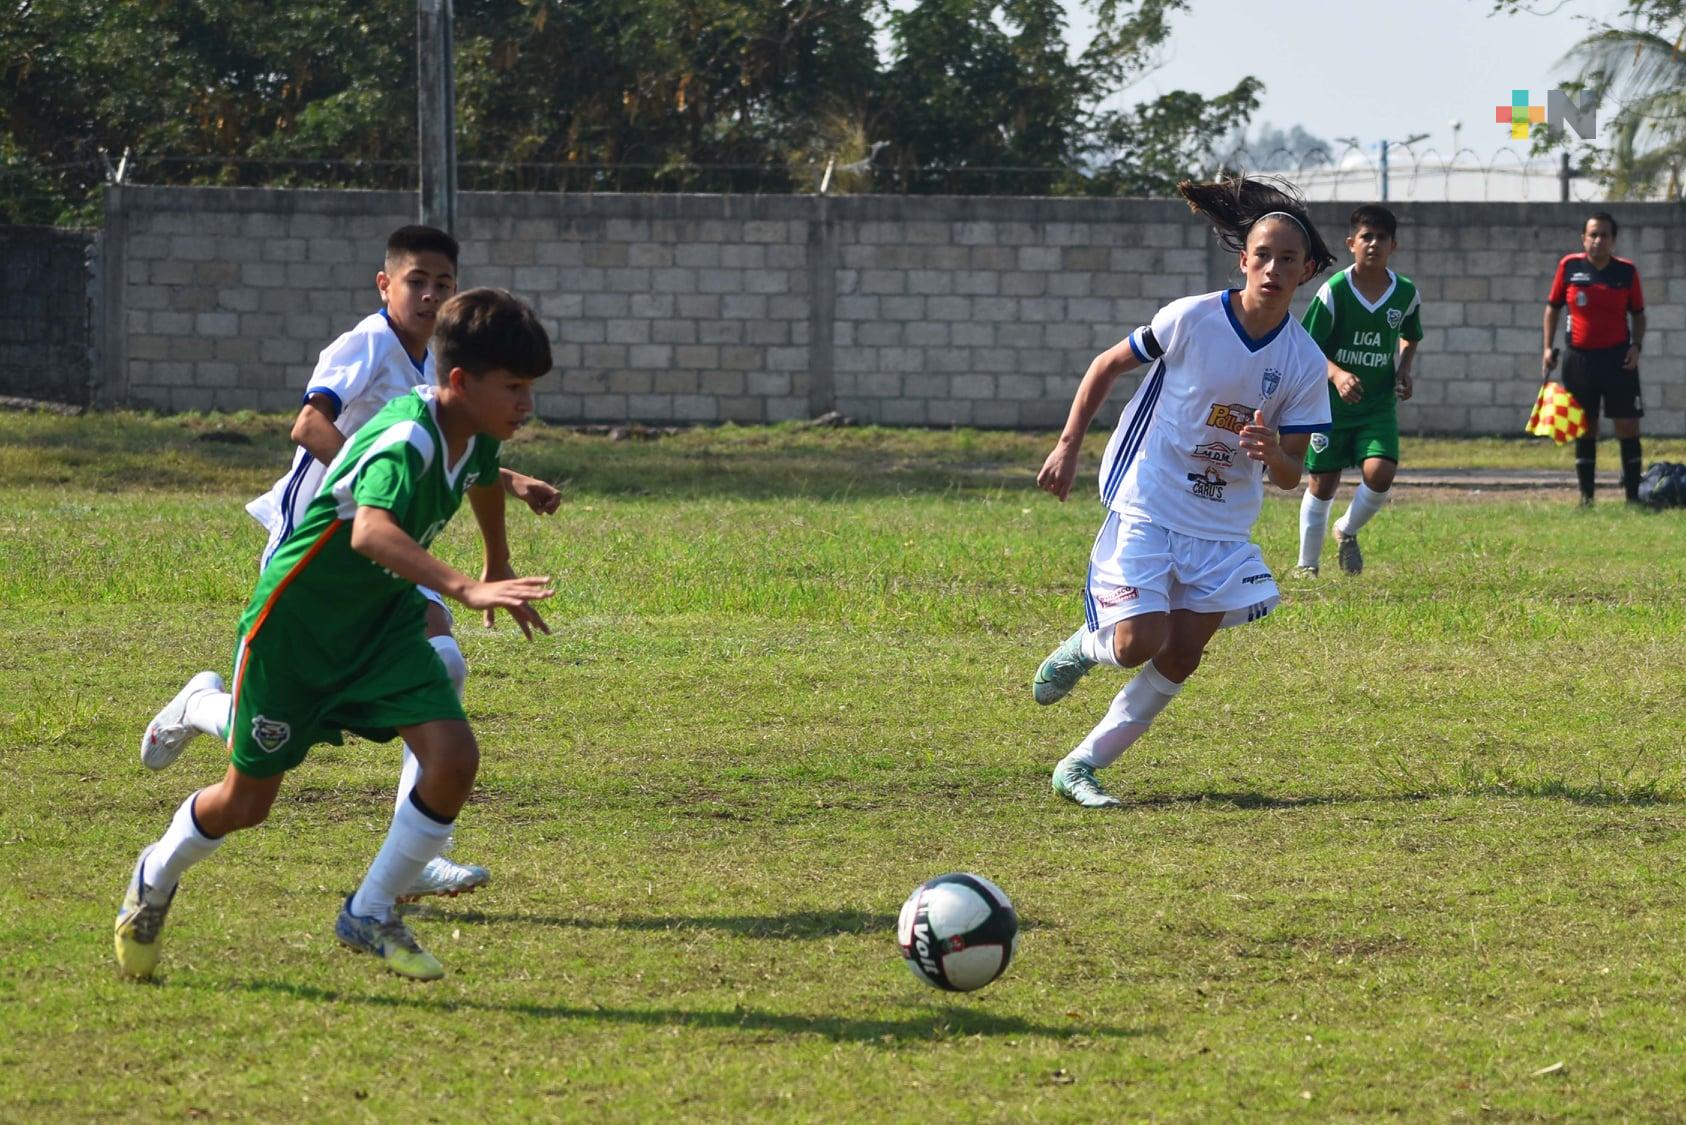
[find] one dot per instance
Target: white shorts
(1139, 568)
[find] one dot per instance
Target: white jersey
(360, 372)
(1174, 459)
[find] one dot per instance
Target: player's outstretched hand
(1258, 439)
(1058, 471)
(538, 495)
(525, 615)
(512, 594)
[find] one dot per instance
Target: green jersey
(1363, 337)
(396, 462)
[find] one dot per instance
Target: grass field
(1411, 846)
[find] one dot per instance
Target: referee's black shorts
(1596, 378)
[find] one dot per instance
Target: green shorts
(290, 696)
(1350, 444)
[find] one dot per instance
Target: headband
(1290, 218)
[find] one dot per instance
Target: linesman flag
(1557, 415)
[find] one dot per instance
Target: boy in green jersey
(332, 639)
(1367, 321)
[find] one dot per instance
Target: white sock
(1097, 646)
(457, 668)
(1132, 712)
(1365, 504)
(208, 713)
(414, 839)
(182, 846)
(1314, 525)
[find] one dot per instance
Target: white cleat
(443, 876)
(169, 731)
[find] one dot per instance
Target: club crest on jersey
(1319, 442)
(1229, 416)
(1208, 485)
(1214, 453)
(270, 734)
(1268, 383)
(1118, 596)
(1395, 317)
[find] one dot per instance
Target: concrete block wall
(895, 310)
(46, 339)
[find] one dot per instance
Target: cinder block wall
(899, 310)
(45, 337)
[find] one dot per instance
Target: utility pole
(436, 115)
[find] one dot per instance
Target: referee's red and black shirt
(1599, 300)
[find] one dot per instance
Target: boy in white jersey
(1234, 392)
(1368, 321)
(379, 360)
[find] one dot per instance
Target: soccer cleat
(1348, 554)
(1061, 671)
(390, 940)
(169, 731)
(138, 925)
(1303, 572)
(442, 876)
(1075, 781)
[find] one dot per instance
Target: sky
(1370, 69)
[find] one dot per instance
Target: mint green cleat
(1061, 671)
(390, 940)
(138, 925)
(1075, 781)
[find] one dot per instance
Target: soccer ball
(958, 932)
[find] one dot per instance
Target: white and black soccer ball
(958, 932)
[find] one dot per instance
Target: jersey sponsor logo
(1208, 485)
(1252, 578)
(432, 532)
(1232, 416)
(1214, 453)
(270, 734)
(469, 479)
(1395, 317)
(1118, 596)
(1319, 442)
(1268, 382)
(1348, 358)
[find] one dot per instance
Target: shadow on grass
(799, 926)
(951, 1022)
(803, 925)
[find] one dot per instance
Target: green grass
(1405, 843)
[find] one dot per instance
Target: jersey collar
(1392, 284)
(414, 362)
(1235, 323)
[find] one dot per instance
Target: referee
(1601, 368)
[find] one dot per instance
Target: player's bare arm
(488, 505)
(376, 535)
(1404, 384)
(541, 496)
(1346, 383)
(1060, 468)
(1548, 357)
(315, 430)
(1637, 335)
(1283, 456)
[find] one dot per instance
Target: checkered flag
(1556, 415)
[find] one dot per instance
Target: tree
(1641, 70)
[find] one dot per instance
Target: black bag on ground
(1663, 485)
